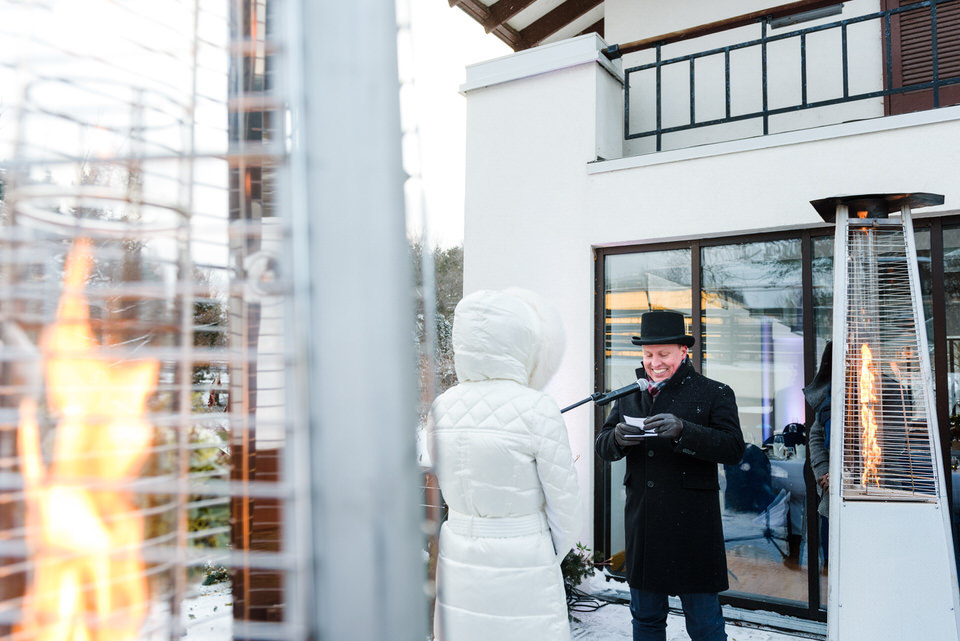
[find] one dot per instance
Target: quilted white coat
(503, 461)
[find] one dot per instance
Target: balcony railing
(920, 53)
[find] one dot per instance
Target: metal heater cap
(876, 205)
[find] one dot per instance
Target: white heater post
(892, 572)
(368, 572)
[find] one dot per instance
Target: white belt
(496, 527)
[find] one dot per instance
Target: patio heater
(203, 276)
(892, 573)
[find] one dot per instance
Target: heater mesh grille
(887, 447)
(142, 146)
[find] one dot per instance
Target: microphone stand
(593, 397)
(602, 398)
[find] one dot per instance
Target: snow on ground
(207, 617)
(612, 623)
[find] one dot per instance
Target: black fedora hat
(662, 327)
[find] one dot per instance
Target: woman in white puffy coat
(505, 469)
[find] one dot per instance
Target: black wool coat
(674, 533)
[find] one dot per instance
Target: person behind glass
(504, 465)
(674, 535)
(817, 394)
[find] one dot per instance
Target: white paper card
(636, 422)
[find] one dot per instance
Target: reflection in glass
(752, 340)
(634, 284)
(637, 283)
(752, 333)
(922, 239)
(951, 287)
(822, 291)
(823, 325)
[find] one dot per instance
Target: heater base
(893, 575)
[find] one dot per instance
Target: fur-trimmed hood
(513, 334)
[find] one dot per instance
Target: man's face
(661, 361)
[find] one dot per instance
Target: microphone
(601, 398)
(638, 385)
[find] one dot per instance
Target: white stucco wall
(528, 143)
(538, 202)
(767, 183)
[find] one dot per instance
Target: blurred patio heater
(203, 277)
(892, 573)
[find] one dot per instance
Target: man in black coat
(674, 434)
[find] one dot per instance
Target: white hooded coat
(505, 469)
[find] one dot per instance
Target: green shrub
(215, 574)
(209, 458)
(577, 565)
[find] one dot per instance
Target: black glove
(620, 432)
(665, 425)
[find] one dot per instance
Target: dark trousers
(702, 614)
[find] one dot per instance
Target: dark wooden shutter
(911, 46)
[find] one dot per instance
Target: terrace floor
(611, 622)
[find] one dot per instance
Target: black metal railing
(931, 81)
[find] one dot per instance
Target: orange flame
(868, 419)
(89, 581)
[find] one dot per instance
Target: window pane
(921, 237)
(951, 286)
(752, 340)
(635, 283)
(823, 324)
(822, 291)
(752, 334)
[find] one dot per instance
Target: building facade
(679, 175)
